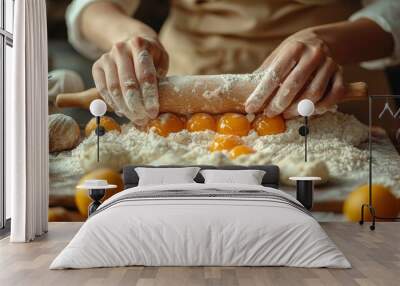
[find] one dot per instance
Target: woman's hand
(127, 76)
(299, 68)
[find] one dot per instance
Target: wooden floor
(375, 257)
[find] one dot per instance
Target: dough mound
(296, 167)
(64, 133)
(112, 155)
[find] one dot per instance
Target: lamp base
(372, 212)
(100, 130)
(374, 216)
(304, 193)
(304, 130)
(96, 195)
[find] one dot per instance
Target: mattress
(201, 225)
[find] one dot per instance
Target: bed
(198, 224)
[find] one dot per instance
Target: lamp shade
(305, 107)
(98, 107)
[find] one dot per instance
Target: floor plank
(375, 257)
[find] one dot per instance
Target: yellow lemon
(82, 199)
(383, 201)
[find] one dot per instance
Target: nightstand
(97, 190)
(305, 189)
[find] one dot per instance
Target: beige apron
(235, 36)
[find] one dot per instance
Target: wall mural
(202, 123)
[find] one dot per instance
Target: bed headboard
(271, 177)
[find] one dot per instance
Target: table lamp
(98, 108)
(305, 108)
(97, 190)
(305, 185)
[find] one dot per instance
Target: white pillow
(165, 176)
(248, 177)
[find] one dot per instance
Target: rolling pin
(200, 93)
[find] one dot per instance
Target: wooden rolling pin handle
(79, 99)
(354, 91)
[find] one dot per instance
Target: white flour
(333, 139)
(180, 83)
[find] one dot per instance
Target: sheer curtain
(26, 124)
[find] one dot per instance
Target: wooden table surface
(375, 257)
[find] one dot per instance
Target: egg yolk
(108, 123)
(225, 142)
(240, 150)
(233, 124)
(269, 126)
(167, 123)
(201, 122)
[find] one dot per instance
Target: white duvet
(188, 231)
